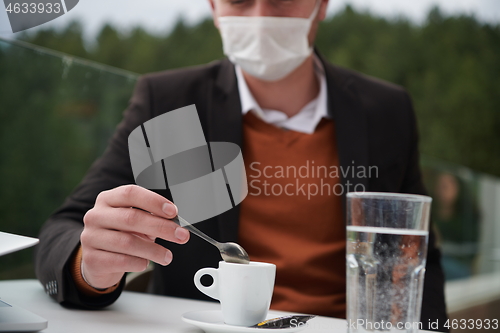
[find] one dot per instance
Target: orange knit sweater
(292, 216)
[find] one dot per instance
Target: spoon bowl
(230, 252)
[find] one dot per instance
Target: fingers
(133, 245)
(104, 269)
(136, 196)
(110, 262)
(118, 238)
(136, 221)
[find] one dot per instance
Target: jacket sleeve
(60, 235)
(433, 303)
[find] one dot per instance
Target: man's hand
(118, 238)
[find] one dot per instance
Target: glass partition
(57, 113)
(465, 214)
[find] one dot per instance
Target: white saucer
(211, 321)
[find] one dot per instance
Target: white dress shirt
(305, 121)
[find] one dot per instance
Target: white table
(132, 312)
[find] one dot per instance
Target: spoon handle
(185, 224)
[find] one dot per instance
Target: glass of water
(387, 235)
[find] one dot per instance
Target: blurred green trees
(449, 64)
(56, 115)
(57, 111)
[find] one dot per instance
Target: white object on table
(244, 291)
(13, 318)
(131, 313)
(211, 321)
(11, 243)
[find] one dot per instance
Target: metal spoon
(230, 252)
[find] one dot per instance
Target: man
(288, 109)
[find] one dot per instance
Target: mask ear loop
(315, 11)
(311, 19)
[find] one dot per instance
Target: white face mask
(268, 48)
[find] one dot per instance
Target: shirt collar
(305, 121)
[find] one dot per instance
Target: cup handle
(213, 289)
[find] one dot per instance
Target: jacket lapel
(226, 125)
(351, 129)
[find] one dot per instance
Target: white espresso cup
(244, 291)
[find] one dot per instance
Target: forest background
(449, 64)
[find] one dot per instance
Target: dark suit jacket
(375, 126)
